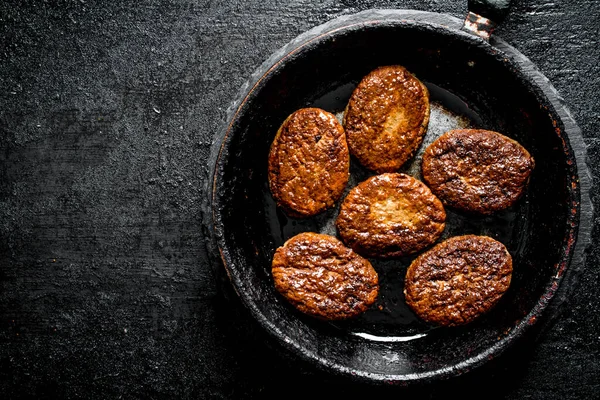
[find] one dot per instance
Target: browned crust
(386, 118)
(390, 215)
(477, 170)
(458, 280)
(308, 162)
(323, 278)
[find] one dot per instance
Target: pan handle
(484, 16)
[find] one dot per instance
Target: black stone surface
(107, 114)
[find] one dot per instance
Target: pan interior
(470, 85)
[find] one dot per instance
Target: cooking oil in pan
(390, 319)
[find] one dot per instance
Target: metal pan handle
(484, 16)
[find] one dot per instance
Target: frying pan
(474, 81)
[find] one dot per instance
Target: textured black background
(108, 110)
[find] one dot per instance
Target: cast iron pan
(472, 83)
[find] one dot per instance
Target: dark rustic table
(107, 114)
